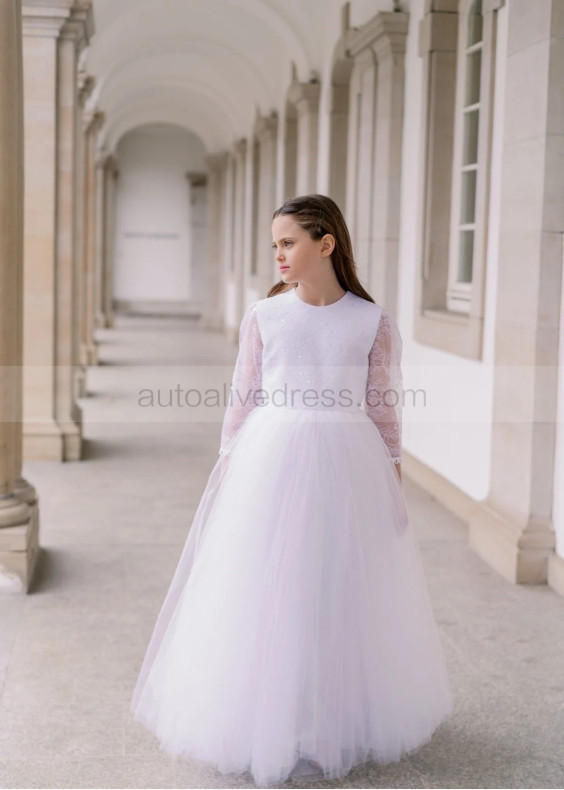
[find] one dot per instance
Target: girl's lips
(283, 268)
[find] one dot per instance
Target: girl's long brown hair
(319, 214)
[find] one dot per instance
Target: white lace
(247, 378)
(384, 387)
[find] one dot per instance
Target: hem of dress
(364, 755)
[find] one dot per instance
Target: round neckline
(318, 306)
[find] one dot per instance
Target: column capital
(239, 147)
(111, 165)
(44, 19)
(385, 33)
(92, 120)
(305, 96)
(442, 6)
(85, 85)
(80, 25)
(197, 178)
(365, 57)
(266, 126)
(488, 6)
(51, 18)
(217, 162)
(103, 159)
(437, 32)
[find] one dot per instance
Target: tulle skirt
(298, 622)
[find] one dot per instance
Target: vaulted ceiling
(207, 65)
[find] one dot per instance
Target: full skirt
(298, 623)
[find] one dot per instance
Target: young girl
(297, 634)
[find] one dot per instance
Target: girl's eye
(287, 242)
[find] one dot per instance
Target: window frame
(459, 293)
(435, 324)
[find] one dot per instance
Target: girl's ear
(327, 244)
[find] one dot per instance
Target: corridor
(112, 528)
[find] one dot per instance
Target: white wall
(153, 244)
(558, 508)
(453, 434)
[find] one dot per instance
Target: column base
(105, 321)
(88, 354)
(42, 442)
(19, 544)
(519, 552)
(25, 492)
(79, 383)
(92, 354)
(72, 440)
(556, 573)
(99, 321)
(52, 442)
(76, 415)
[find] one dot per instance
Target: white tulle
(298, 622)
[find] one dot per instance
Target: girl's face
(297, 254)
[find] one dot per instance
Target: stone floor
(112, 528)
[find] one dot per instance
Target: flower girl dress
(298, 627)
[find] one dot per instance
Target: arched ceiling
(203, 64)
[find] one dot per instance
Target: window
(466, 170)
(457, 42)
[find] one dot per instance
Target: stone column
(99, 237)
(288, 147)
(213, 312)
(92, 122)
(235, 280)
(198, 183)
(106, 295)
(75, 35)
(305, 98)
(373, 202)
(19, 517)
(389, 47)
(53, 36)
(265, 271)
(360, 164)
(512, 528)
(85, 86)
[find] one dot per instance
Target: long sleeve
(384, 386)
(246, 381)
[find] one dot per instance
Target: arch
(199, 118)
(193, 56)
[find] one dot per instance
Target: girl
(297, 634)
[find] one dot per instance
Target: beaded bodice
(345, 355)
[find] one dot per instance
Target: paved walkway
(112, 528)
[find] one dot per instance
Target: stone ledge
(519, 553)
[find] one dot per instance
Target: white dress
(298, 624)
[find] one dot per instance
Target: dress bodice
(345, 355)
(316, 356)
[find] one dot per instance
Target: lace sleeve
(246, 381)
(384, 386)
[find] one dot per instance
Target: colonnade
(55, 267)
(56, 238)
